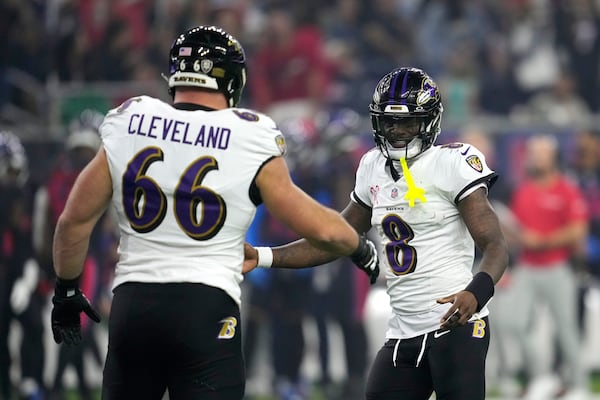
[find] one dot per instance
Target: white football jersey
(182, 189)
(426, 250)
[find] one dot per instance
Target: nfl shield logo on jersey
(394, 193)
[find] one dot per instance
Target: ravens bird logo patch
(280, 142)
(475, 162)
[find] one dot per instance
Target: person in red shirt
(553, 223)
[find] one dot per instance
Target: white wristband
(265, 257)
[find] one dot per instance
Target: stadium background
(507, 69)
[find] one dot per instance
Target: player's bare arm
(484, 226)
(323, 227)
(87, 202)
(301, 253)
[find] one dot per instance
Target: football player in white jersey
(428, 205)
(185, 180)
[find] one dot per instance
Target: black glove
(365, 258)
(68, 302)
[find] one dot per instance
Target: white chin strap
(412, 149)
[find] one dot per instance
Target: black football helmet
(410, 99)
(210, 58)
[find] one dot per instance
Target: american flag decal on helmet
(185, 51)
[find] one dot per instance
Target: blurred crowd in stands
(312, 66)
(507, 57)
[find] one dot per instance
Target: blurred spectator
(25, 56)
(118, 52)
(350, 87)
(498, 92)
(80, 147)
(19, 273)
(560, 106)
(229, 15)
(447, 27)
(193, 13)
(134, 14)
(552, 218)
(387, 38)
(585, 170)
(577, 25)
(7, 20)
(342, 19)
(290, 78)
(72, 46)
(29, 52)
(528, 28)
(95, 40)
(460, 85)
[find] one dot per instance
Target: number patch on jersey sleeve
(127, 103)
(454, 145)
(246, 115)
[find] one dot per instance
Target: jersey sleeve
(361, 194)
(269, 140)
(113, 124)
(463, 170)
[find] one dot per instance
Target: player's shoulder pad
(262, 123)
(255, 117)
(371, 156)
(131, 103)
(457, 152)
(117, 115)
(454, 147)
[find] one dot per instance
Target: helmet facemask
(400, 136)
(406, 113)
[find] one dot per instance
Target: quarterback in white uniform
(446, 174)
(428, 205)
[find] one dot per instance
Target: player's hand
(250, 258)
(365, 257)
(68, 303)
(464, 305)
